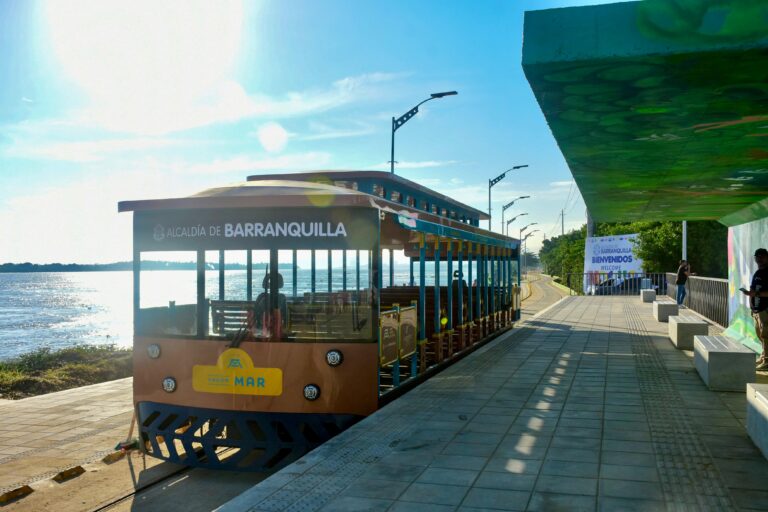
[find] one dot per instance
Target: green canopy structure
(660, 107)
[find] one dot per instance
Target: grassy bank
(44, 371)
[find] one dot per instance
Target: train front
(254, 318)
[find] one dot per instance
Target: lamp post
(523, 241)
(494, 181)
(400, 121)
(509, 205)
(510, 221)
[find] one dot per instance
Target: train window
(452, 214)
(444, 212)
(434, 209)
(352, 185)
(167, 294)
(395, 196)
(339, 312)
(378, 190)
(424, 205)
(410, 201)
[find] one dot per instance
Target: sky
(114, 100)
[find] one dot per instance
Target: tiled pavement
(43, 435)
(587, 407)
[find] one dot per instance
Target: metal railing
(611, 283)
(708, 296)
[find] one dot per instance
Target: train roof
(362, 178)
(284, 193)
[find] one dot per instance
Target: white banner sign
(609, 256)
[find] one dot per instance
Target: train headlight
(153, 351)
(169, 384)
(311, 392)
(334, 357)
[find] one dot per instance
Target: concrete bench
(663, 309)
(757, 415)
(723, 364)
(648, 295)
(682, 329)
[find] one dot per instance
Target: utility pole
(562, 221)
(685, 240)
(590, 226)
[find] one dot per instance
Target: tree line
(659, 245)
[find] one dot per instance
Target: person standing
(758, 303)
(683, 272)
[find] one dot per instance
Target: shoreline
(43, 371)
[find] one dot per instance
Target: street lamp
(494, 181)
(509, 205)
(525, 250)
(400, 121)
(510, 221)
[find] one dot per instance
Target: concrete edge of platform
(55, 394)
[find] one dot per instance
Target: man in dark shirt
(682, 277)
(758, 303)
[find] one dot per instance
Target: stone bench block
(682, 329)
(648, 295)
(757, 416)
(723, 364)
(663, 309)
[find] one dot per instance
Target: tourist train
(294, 322)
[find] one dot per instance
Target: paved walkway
(43, 435)
(587, 407)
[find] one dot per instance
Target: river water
(63, 309)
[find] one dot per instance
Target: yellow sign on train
(234, 373)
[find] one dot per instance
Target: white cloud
(80, 151)
(273, 137)
(228, 102)
(80, 223)
(320, 131)
(245, 164)
(415, 165)
(565, 183)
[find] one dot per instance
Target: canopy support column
(294, 274)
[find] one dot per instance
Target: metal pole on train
(493, 182)
(460, 281)
(422, 297)
(507, 206)
(436, 289)
(469, 282)
(400, 121)
(449, 284)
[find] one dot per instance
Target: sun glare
(145, 60)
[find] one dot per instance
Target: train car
(269, 315)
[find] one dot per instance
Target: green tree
(659, 245)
